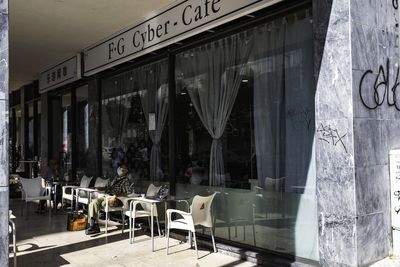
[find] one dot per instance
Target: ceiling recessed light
(183, 93)
(245, 81)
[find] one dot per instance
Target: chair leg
(167, 240)
(14, 243)
(130, 230)
(244, 232)
(195, 244)
(158, 226)
(254, 234)
(190, 238)
(26, 210)
(123, 220)
(213, 240)
(49, 207)
(106, 223)
(133, 230)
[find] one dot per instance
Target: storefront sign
(66, 72)
(179, 21)
(394, 161)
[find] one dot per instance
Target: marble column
(354, 38)
(334, 118)
(4, 133)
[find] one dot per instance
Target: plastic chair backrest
(85, 181)
(32, 187)
(201, 210)
(152, 190)
(274, 185)
(100, 182)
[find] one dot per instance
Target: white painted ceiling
(45, 32)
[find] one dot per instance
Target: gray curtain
(212, 74)
(283, 102)
(116, 107)
(269, 102)
(153, 89)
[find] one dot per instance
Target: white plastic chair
(81, 196)
(68, 193)
(109, 209)
(12, 230)
(32, 190)
(134, 213)
(200, 214)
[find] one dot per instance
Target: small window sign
(152, 121)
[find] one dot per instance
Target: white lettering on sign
(177, 22)
(63, 73)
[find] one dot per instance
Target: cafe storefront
(205, 97)
(286, 109)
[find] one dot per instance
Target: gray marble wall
(4, 133)
(352, 38)
(374, 30)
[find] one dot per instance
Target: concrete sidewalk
(42, 240)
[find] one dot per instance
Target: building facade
(287, 109)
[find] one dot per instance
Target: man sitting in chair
(117, 187)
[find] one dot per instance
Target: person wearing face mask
(117, 187)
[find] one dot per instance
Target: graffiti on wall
(382, 90)
(331, 136)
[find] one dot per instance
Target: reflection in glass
(245, 128)
(29, 153)
(129, 101)
(66, 130)
(82, 124)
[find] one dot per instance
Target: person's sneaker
(95, 229)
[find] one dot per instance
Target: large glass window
(39, 129)
(245, 128)
(66, 135)
(134, 115)
(18, 140)
(29, 154)
(82, 129)
(61, 137)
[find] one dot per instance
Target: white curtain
(153, 90)
(212, 74)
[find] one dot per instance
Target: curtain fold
(116, 109)
(269, 102)
(153, 89)
(212, 74)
